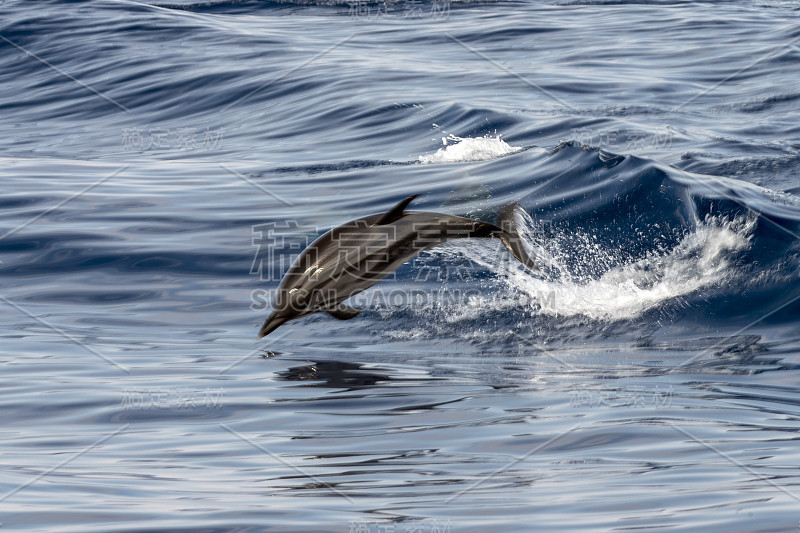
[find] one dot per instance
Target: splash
(470, 149)
(614, 290)
(702, 259)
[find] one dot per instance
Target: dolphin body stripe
(358, 254)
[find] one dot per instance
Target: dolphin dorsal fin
(396, 212)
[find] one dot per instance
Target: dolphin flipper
(342, 312)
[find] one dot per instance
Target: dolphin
(358, 254)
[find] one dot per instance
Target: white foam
(702, 259)
(458, 149)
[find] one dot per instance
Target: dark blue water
(163, 163)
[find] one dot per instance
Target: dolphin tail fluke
(509, 235)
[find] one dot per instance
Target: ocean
(163, 163)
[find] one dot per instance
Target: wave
(704, 258)
(470, 149)
(621, 238)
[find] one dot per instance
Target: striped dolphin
(358, 254)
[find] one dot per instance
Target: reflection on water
(334, 374)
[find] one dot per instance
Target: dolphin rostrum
(358, 254)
